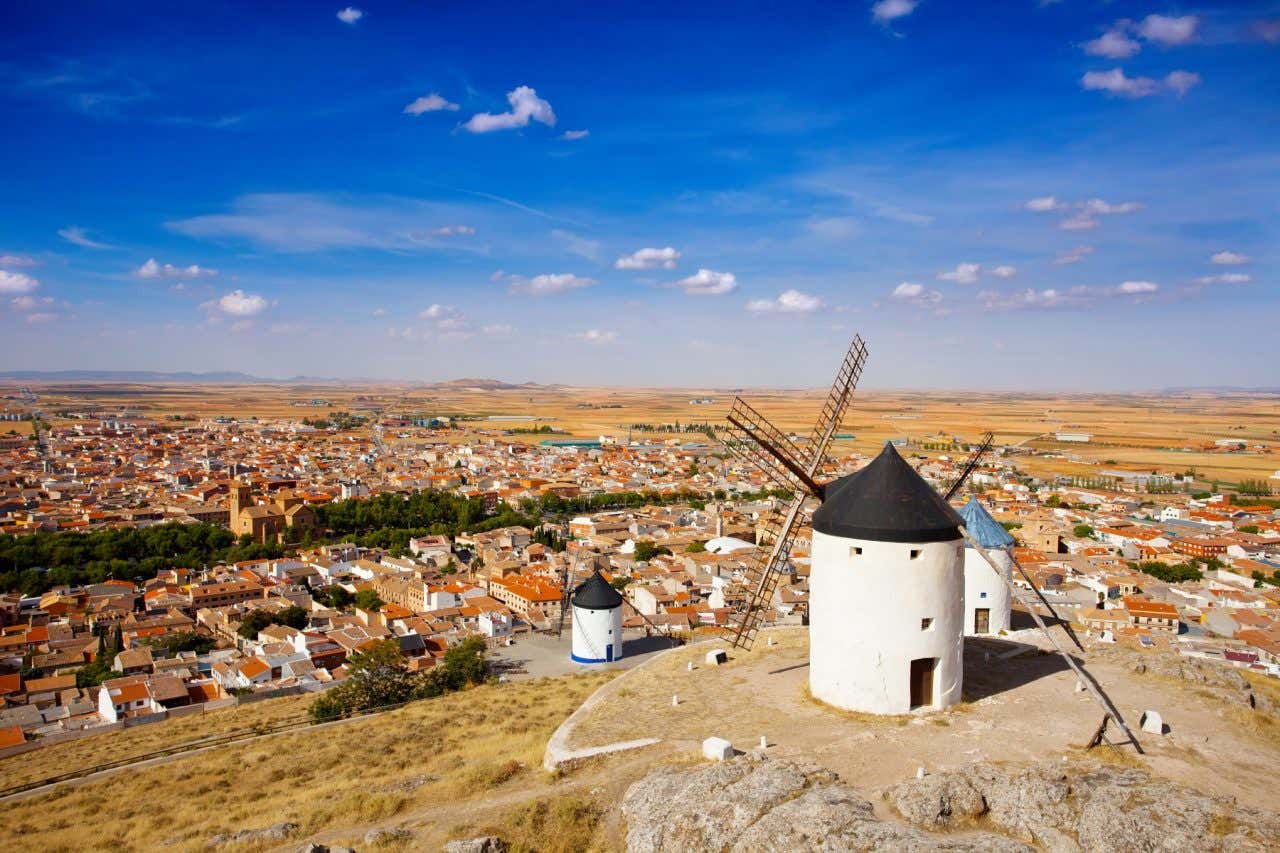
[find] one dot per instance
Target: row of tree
(379, 678)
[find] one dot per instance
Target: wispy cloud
(350, 15)
(430, 104)
(596, 336)
(1229, 258)
(80, 237)
(1116, 82)
(153, 269)
(886, 11)
(547, 284)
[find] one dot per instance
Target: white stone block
(1152, 722)
(717, 749)
(715, 657)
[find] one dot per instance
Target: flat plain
(1168, 433)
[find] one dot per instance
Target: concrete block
(715, 657)
(717, 749)
(1153, 723)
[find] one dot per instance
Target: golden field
(1129, 431)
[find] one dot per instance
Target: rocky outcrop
(484, 844)
(757, 804)
(753, 803)
(1087, 807)
(275, 832)
(1221, 680)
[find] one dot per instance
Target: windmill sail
(793, 467)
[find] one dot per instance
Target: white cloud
(1181, 81)
(548, 283)
(1004, 271)
(445, 318)
(1229, 258)
(595, 336)
(1225, 278)
(16, 282)
(916, 294)
(41, 317)
(350, 15)
(1134, 288)
(1028, 298)
(788, 302)
(649, 259)
(1116, 82)
(23, 303)
(152, 269)
(76, 235)
(430, 104)
(237, 303)
(1043, 204)
(1079, 222)
(575, 134)
(17, 261)
(525, 106)
(707, 282)
(379, 312)
(1106, 208)
(1114, 43)
(885, 11)
(453, 230)
(964, 273)
(496, 329)
(1167, 31)
(1073, 256)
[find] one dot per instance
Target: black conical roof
(887, 501)
(595, 593)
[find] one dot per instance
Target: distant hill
(484, 384)
(130, 376)
(1218, 389)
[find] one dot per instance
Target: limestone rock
(384, 835)
(1093, 807)
(484, 844)
(275, 832)
(756, 804)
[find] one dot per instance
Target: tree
(293, 616)
(1082, 531)
(695, 548)
(1248, 528)
(646, 550)
(334, 596)
(254, 622)
(378, 676)
(367, 599)
(620, 582)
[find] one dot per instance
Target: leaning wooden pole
(1085, 678)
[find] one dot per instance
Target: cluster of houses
(191, 639)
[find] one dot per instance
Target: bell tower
(240, 499)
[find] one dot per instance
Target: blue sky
(1018, 195)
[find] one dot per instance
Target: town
(157, 568)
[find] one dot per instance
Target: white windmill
(886, 598)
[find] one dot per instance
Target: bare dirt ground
(1020, 709)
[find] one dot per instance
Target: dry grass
(418, 762)
(108, 746)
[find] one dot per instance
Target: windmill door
(608, 652)
(922, 682)
(982, 620)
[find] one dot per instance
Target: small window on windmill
(855, 551)
(915, 553)
(926, 624)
